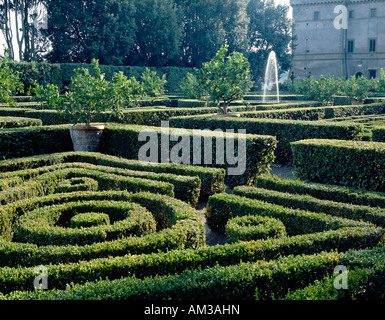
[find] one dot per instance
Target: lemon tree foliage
(10, 83)
(225, 78)
(91, 94)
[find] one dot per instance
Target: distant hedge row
(286, 131)
(151, 115)
(318, 113)
(60, 74)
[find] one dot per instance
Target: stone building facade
(341, 38)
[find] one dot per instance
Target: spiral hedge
(112, 237)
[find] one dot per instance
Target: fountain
(271, 75)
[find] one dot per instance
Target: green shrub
(186, 188)
(89, 219)
(322, 89)
(178, 226)
(34, 140)
(322, 191)
(286, 131)
(222, 207)
(76, 184)
(61, 74)
(48, 225)
(45, 183)
(176, 261)
(10, 83)
(259, 149)
(306, 202)
(183, 177)
(225, 78)
(43, 73)
(378, 134)
(262, 280)
(248, 228)
(317, 113)
(15, 122)
(357, 164)
(357, 88)
(365, 279)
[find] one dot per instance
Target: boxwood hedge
(286, 131)
(358, 164)
(322, 191)
(306, 202)
(378, 134)
(16, 122)
(185, 178)
(248, 280)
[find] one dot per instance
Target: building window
(373, 13)
(351, 46)
(372, 74)
(351, 14)
(372, 45)
(316, 15)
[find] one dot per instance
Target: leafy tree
(10, 83)
(91, 94)
(153, 85)
(20, 23)
(357, 88)
(159, 27)
(210, 23)
(225, 78)
(81, 29)
(191, 88)
(381, 82)
(269, 29)
(322, 89)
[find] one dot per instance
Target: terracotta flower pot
(86, 138)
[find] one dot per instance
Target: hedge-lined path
(216, 237)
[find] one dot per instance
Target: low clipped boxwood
(77, 184)
(222, 207)
(89, 219)
(48, 225)
(318, 113)
(378, 134)
(286, 131)
(335, 193)
(185, 177)
(307, 202)
(16, 122)
(178, 227)
(259, 153)
(261, 280)
(248, 228)
(357, 164)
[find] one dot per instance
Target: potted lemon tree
(90, 95)
(357, 89)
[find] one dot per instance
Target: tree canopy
(156, 33)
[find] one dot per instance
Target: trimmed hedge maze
(86, 221)
(116, 244)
